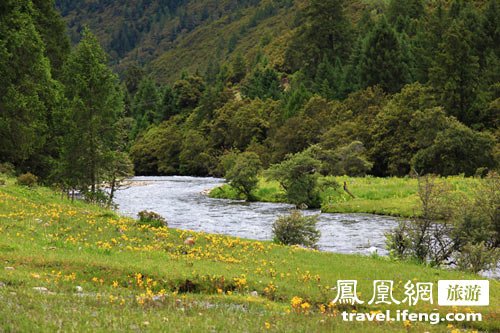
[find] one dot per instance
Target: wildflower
(407, 324)
(267, 325)
(115, 284)
(296, 301)
(305, 306)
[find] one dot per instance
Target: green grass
(383, 196)
(138, 278)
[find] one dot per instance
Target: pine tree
(491, 26)
(28, 94)
(401, 14)
(455, 73)
(383, 60)
(95, 103)
(52, 30)
(325, 33)
(429, 35)
(330, 79)
(238, 69)
(145, 107)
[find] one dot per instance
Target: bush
(423, 239)
(477, 257)
(296, 229)
(27, 179)
(467, 233)
(243, 173)
(7, 168)
(298, 176)
(151, 219)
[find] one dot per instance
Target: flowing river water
(185, 205)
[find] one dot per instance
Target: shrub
(423, 239)
(27, 179)
(296, 229)
(7, 168)
(477, 257)
(467, 233)
(243, 173)
(151, 219)
(298, 176)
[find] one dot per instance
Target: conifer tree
(383, 60)
(95, 101)
(326, 33)
(455, 73)
(146, 104)
(28, 94)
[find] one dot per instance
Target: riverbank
(76, 267)
(382, 196)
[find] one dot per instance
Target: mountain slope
(172, 36)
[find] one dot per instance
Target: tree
(29, 97)
(352, 160)
(298, 176)
(457, 149)
(194, 158)
(95, 102)
(262, 83)
(146, 104)
(402, 14)
(409, 122)
(430, 33)
(242, 175)
(455, 74)
(157, 150)
(52, 30)
(326, 33)
(383, 59)
(238, 69)
(188, 91)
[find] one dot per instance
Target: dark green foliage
(195, 158)
(296, 229)
(242, 174)
(52, 30)
(409, 122)
(455, 73)
(384, 60)
(239, 123)
(151, 219)
(455, 150)
(29, 97)
(188, 91)
(325, 34)
(95, 102)
(404, 14)
(238, 69)
(262, 83)
(294, 87)
(146, 105)
(157, 150)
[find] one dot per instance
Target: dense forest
(361, 87)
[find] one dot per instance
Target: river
(181, 200)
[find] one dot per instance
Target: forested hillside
(340, 87)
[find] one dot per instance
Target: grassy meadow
(76, 267)
(383, 196)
